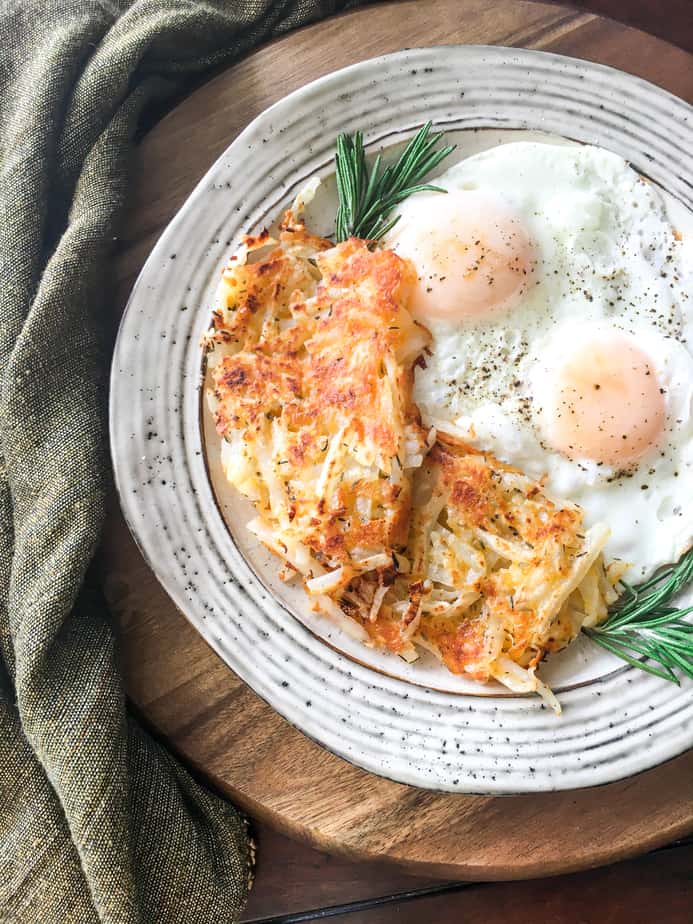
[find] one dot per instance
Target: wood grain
(656, 889)
(292, 879)
(669, 19)
(187, 694)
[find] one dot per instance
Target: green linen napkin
(97, 821)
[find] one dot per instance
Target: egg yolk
(606, 404)
(470, 250)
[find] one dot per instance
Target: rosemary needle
(366, 199)
(643, 630)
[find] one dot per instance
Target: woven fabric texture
(97, 821)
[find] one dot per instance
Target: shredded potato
(419, 538)
(311, 354)
(513, 574)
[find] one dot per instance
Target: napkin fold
(97, 821)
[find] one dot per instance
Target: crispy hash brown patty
(509, 574)
(311, 355)
(311, 363)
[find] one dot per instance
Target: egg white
(606, 258)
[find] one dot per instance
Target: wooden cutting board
(185, 692)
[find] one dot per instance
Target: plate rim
(196, 194)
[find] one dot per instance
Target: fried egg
(557, 295)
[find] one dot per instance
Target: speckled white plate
(413, 723)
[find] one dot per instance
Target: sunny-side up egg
(557, 295)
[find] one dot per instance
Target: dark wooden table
(295, 882)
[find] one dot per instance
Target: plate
(414, 723)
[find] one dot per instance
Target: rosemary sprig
(645, 631)
(367, 199)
